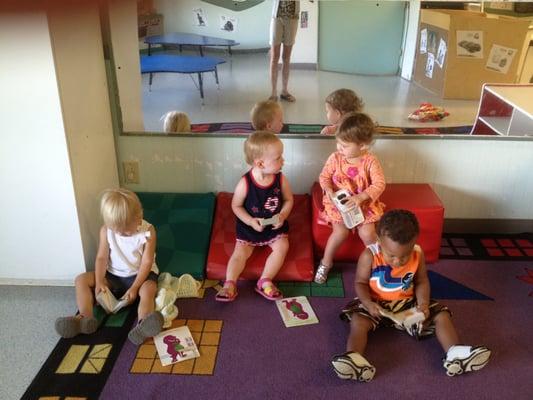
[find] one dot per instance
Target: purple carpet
(258, 358)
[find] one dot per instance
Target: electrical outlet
(131, 171)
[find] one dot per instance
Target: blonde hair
(176, 121)
(345, 101)
(257, 143)
(119, 208)
(356, 128)
(263, 113)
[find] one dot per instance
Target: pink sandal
(271, 292)
(228, 292)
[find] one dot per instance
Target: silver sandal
(321, 275)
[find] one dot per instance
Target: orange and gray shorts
(283, 30)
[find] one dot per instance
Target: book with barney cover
(296, 311)
(175, 345)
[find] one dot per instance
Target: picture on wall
(304, 19)
(199, 17)
(441, 53)
(228, 24)
(432, 41)
(423, 41)
(430, 65)
(500, 58)
(469, 44)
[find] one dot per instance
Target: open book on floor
(175, 345)
(109, 302)
(406, 318)
(296, 311)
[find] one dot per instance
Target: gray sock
(148, 327)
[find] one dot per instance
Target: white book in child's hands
(406, 318)
(351, 215)
(175, 345)
(109, 302)
(296, 311)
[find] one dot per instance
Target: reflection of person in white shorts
(282, 31)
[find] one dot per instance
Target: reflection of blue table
(181, 65)
(191, 39)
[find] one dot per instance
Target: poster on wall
(304, 19)
(423, 41)
(228, 24)
(469, 44)
(441, 53)
(200, 17)
(432, 42)
(500, 58)
(429, 65)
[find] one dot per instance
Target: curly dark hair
(356, 128)
(399, 225)
(345, 101)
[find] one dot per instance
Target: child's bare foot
(68, 327)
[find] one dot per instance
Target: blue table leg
(150, 82)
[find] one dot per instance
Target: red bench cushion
(298, 264)
(416, 197)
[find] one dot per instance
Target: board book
(175, 345)
(296, 311)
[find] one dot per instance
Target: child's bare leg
(358, 337)
(150, 321)
(352, 364)
(367, 233)
(275, 260)
(339, 235)
(147, 294)
(84, 322)
(445, 330)
(84, 284)
(237, 261)
(274, 58)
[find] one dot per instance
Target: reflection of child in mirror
(176, 122)
(353, 168)
(267, 116)
(338, 104)
(262, 193)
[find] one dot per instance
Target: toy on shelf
(428, 112)
(351, 215)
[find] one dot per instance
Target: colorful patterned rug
(246, 352)
(246, 127)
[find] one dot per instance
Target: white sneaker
(353, 365)
(460, 359)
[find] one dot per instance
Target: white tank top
(125, 252)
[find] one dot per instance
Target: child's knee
(148, 289)
(84, 279)
(360, 323)
(281, 246)
(367, 233)
(340, 231)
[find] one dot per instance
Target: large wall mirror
(373, 48)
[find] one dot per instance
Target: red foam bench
(298, 264)
(416, 197)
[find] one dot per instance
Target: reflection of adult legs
(274, 58)
(286, 58)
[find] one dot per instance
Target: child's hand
(356, 200)
(423, 308)
(100, 287)
(280, 223)
(131, 294)
(373, 309)
(255, 223)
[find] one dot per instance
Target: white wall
(252, 29)
(410, 35)
(484, 179)
(57, 147)
(40, 236)
(305, 49)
